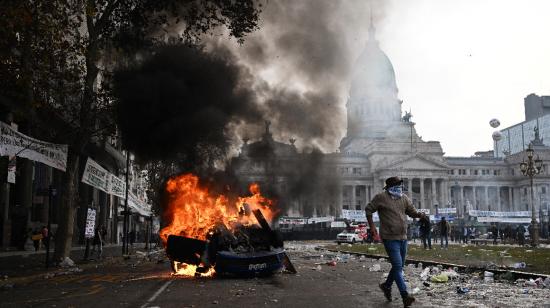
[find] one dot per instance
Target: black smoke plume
(179, 102)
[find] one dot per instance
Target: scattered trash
(528, 251)
(331, 263)
(530, 283)
(488, 277)
(546, 282)
(426, 284)
(424, 274)
(415, 290)
(452, 274)
(462, 290)
(67, 262)
(215, 302)
(419, 265)
(520, 265)
(375, 268)
(318, 268)
(441, 278)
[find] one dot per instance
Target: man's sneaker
(408, 300)
(386, 290)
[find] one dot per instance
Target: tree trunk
(64, 235)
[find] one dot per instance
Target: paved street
(147, 282)
(136, 283)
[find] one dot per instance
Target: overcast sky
(458, 63)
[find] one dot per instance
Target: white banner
(90, 224)
(314, 220)
(293, 220)
(425, 211)
(358, 215)
(14, 143)
(117, 186)
(478, 213)
(96, 176)
(515, 220)
(447, 210)
(141, 207)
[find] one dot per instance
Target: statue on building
(537, 140)
(407, 117)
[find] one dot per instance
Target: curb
(517, 274)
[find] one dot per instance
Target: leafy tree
(58, 55)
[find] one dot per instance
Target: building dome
(373, 104)
(374, 75)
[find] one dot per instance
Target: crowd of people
(427, 232)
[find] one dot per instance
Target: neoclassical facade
(381, 141)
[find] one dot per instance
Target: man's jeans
(427, 238)
(446, 238)
(397, 251)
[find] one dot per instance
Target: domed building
(381, 141)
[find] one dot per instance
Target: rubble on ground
(476, 289)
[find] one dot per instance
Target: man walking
(444, 228)
(426, 232)
(392, 207)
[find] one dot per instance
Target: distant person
(426, 232)
(494, 234)
(45, 236)
(393, 207)
(98, 242)
(444, 229)
(521, 235)
(36, 239)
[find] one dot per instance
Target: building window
(543, 190)
(475, 172)
(513, 171)
(358, 207)
(525, 191)
(357, 192)
(356, 170)
(345, 206)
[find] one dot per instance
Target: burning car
(209, 235)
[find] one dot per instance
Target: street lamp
(531, 168)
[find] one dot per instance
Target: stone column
(486, 197)
(434, 195)
(340, 198)
(410, 186)
(369, 193)
(510, 199)
(421, 200)
(353, 198)
(499, 206)
(460, 206)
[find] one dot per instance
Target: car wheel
(353, 241)
(338, 243)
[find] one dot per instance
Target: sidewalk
(42, 251)
(25, 263)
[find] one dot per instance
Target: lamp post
(530, 168)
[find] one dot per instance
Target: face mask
(396, 191)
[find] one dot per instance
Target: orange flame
(192, 211)
(189, 270)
